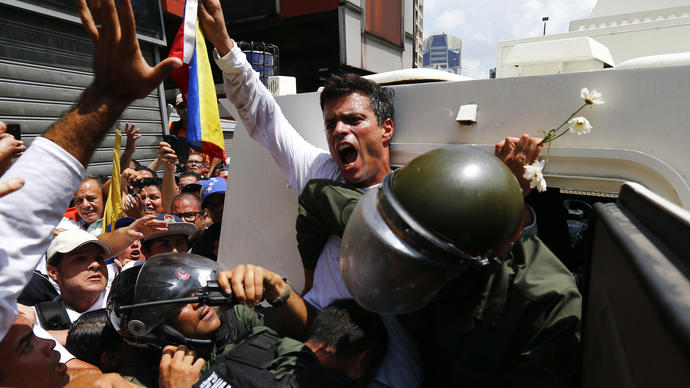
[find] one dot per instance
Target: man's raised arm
(53, 166)
(121, 75)
(258, 110)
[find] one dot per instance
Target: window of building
(384, 20)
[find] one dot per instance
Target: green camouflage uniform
(516, 327)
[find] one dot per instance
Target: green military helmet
(445, 213)
(465, 195)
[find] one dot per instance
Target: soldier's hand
(516, 154)
(121, 73)
(179, 367)
(248, 283)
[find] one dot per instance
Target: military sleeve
(238, 322)
(551, 357)
(324, 209)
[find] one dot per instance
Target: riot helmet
(445, 212)
(142, 298)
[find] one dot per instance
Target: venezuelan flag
(195, 81)
(113, 206)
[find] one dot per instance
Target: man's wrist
(282, 295)
(224, 46)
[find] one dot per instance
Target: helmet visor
(164, 277)
(384, 272)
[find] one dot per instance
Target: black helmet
(444, 212)
(142, 298)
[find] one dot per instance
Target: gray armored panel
(637, 307)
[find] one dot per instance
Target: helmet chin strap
(168, 333)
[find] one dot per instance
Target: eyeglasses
(189, 216)
(194, 162)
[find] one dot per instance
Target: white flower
(591, 98)
(533, 173)
(541, 185)
(580, 125)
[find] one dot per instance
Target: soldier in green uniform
(440, 244)
(167, 301)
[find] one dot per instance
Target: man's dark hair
(147, 182)
(380, 99)
(350, 329)
(144, 168)
(191, 173)
(56, 260)
(91, 335)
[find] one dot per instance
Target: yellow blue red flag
(113, 206)
(195, 81)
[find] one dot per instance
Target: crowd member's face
(29, 361)
(167, 244)
(150, 197)
(132, 253)
(190, 211)
(196, 321)
(185, 180)
(89, 201)
(195, 163)
(356, 141)
(81, 272)
(223, 174)
(214, 205)
(182, 112)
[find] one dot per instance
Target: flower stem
(548, 137)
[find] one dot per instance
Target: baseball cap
(192, 187)
(70, 240)
(175, 226)
(212, 186)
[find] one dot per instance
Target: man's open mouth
(95, 278)
(205, 313)
(347, 154)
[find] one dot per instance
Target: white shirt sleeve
(29, 215)
(298, 159)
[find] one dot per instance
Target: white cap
(70, 240)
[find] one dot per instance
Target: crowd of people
(143, 301)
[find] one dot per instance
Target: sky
(481, 24)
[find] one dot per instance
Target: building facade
(443, 52)
(46, 61)
(617, 31)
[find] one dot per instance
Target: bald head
(188, 207)
(89, 200)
